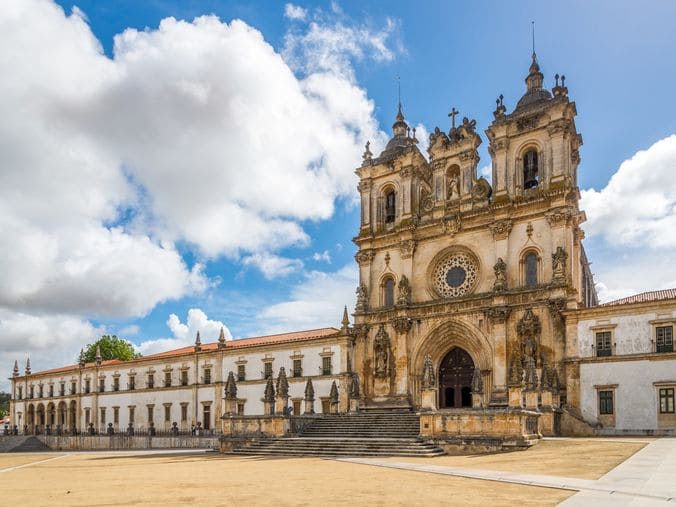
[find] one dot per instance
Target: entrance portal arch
(455, 379)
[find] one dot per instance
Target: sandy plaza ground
(180, 478)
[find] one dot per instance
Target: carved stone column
(498, 316)
(402, 325)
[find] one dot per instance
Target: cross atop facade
(453, 114)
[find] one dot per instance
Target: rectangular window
(240, 408)
(88, 385)
(297, 368)
(606, 403)
(62, 389)
(132, 382)
(667, 400)
(116, 415)
(131, 414)
(20, 392)
(184, 412)
(116, 383)
(207, 375)
(73, 387)
(664, 338)
(31, 392)
(151, 381)
(87, 417)
(184, 377)
(206, 422)
(326, 365)
(151, 410)
(40, 391)
(603, 345)
(267, 371)
(167, 413)
(241, 372)
(167, 379)
(51, 390)
(102, 385)
(103, 415)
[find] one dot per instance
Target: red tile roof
(644, 297)
(295, 336)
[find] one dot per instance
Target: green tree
(111, 347)
(4, 403)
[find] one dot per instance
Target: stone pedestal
(282, 405)
(335, 408)
(381, 386)
(531, 400)
(556, 400)
(477, 400)
(354, 405)
(547, 399)
(515, 398)
(429, 399)
(230, 407)
(309, 407)
(268, 407)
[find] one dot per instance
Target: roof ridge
(644, 297)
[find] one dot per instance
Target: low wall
(480, 430)
(122, 442)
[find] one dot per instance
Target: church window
(390, 207)
(267, 370)
(20, 396)
(530, 170)
(664, 338)
(531, 269)
(207, 375)
(389, 292)
(241, 372)
(151, 381)
(603, 344)
(667, 400)
(88, 386)
(73, 387)
(167, 379)
(606, 403)
(455, 274)
(184, 377)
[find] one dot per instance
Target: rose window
(455, 275)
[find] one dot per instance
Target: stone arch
(439, 342)
(525, 147)
(525, 252)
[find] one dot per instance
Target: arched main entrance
(455, 379)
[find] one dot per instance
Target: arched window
(390, 206)
(388, 292)
(531, 269)
(530, 169)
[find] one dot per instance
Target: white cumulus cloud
(295, 12)
(273, 266)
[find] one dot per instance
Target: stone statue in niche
(362, 298)
(429, 381)
(453, 188)
(404, 297)
(500, 270)
(528, 329)
(381, 348)
(559, 259)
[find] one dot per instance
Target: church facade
(475, 302)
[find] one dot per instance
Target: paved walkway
(645, 479)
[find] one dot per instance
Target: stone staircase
(370, 434)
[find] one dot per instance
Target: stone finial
(15, 371)
(198, 342)
(333, 394)
(221, 338)
(477, 382)
(429, 380)
(545, 377)
(367, 155)
(282, 384)
(98, 357)
(269, 395)
(404, 297)
(531, 374)
(500, 108)
(81, 360)
(230, 387)
(345, 323)
(354, 387)
(28, 366)
(309, 391)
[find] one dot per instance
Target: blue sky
(162, 146)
